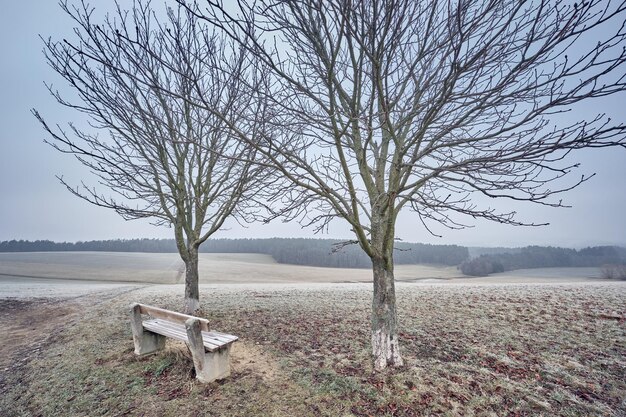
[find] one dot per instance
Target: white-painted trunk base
(191, 305)
(386, 350)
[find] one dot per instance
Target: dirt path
(29, 325)
(26, 325)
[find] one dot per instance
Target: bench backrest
(168, 315)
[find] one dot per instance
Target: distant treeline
(116, 245)
(476, 251)
(543, 257)
(322, 252)
(298, 251)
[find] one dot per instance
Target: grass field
(167, 268)
(472, 348)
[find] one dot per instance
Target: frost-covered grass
(483, 350)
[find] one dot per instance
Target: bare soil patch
(25, 326)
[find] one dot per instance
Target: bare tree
(417, 105)
(161, 157)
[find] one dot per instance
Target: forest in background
(475, 261)
(543, 257)
(295, 251)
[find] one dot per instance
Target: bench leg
(148, 343)
(145, 342)
(209, 366)
(216, 365)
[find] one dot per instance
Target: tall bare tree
(421, 105)
(135, 77)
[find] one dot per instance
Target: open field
(541, 342)
(167, 268)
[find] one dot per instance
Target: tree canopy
(422, 106)
(157, 154)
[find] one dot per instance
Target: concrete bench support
(145, 341)
(209, 366)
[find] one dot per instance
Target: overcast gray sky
(34, 205)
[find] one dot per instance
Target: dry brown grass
(470, 350)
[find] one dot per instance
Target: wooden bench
(210, 349)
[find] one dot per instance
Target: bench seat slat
(208, 337)
(219, 337)
(180, 328)
(165, 331)
(167, 325)
(177, 331)
(211, 340)
(227, 338)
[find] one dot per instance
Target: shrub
(481, 266)
(614, 271)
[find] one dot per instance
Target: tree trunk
(192, 292)
(385, 347)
